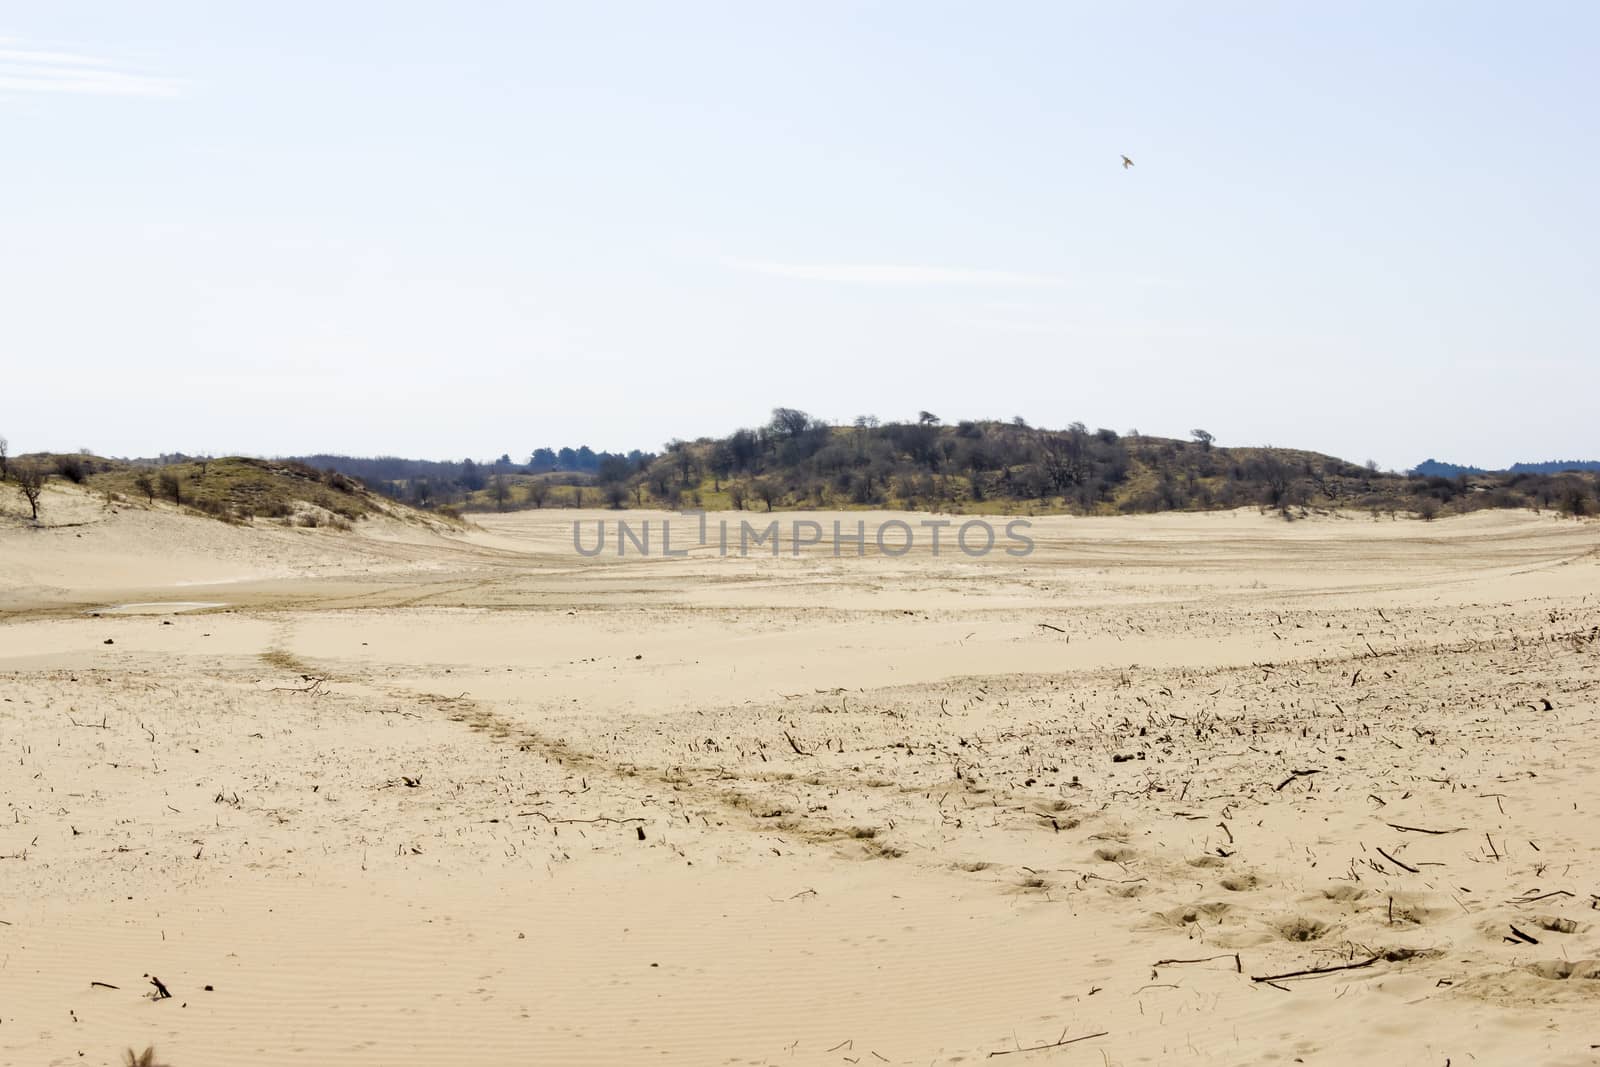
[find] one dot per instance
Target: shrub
(71, 468)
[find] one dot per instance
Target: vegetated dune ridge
(85, 550)
(388, 802)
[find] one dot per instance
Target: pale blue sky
(473, 228)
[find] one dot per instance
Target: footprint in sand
(1345, 894)
(1561, 970)
(1190, 914)
(1302, 928)
(1114, 853)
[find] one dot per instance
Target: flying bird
(1126, 162)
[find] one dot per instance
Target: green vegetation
(992, 467)
(238, 489)
(797, 462)
(234, 489)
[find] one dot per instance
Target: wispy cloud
(27, 69)
(1072, 329)
(893, 274)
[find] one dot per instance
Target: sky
(467, 229)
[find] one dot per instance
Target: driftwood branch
(1296, 774)
(314, 687)
(596, 819)
(1064, 1040)
(1314, 971)
(1399, 863)
(1234, 956)
(1541, 896)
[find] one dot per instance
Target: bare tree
(538, 490)
(500, 491)
(171, 487)
(789, 422)
(30, 483)
(1065, 458)
(5, 459)
(720, 464)
(146, 485)
(686, 465)
(659, 477)
(1277, 479)
(766, 492)
(1204, 437)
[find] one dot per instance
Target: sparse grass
(240, 490)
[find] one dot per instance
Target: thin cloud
(1067, 329)
(893, 274)
(25, 69)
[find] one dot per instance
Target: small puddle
(168, 607)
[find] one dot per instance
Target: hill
(1555, 466)
(796, 461)
(234, 489)
(1432, 468)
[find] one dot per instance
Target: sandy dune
(475, 799)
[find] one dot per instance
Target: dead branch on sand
(1064, 1040)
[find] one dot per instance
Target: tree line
(794, 460)
(448, 483)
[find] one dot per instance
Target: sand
(415, 796)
